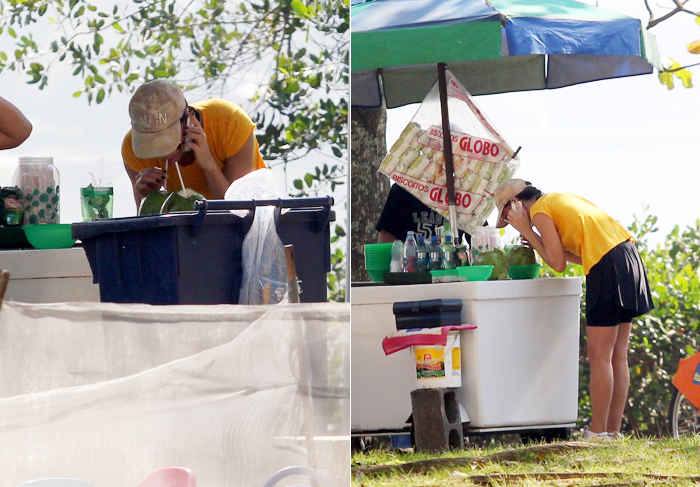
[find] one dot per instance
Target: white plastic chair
(169, 477)
(320, 479)
(56, 482)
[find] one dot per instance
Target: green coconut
(153, 202)
(178, 202)
(497, 258)
(521, 255)
(167, 202)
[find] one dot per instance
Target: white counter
(519, 367)
(47, 276)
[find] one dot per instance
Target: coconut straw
(182, 183)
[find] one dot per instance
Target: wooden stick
(292, 282)
(4, 279)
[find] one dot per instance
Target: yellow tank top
(585, 230)
(227, 128)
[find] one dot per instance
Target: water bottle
(396, 256)
(447, 230)
(422, 255)
(410, 253)
(435, 252)
(449, 259)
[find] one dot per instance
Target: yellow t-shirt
(585, 230)
(227, 128)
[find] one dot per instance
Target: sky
(624, 144)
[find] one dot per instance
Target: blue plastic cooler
(196, 257)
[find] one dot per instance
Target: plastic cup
(96, 203)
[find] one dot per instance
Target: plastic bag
(481, 157)
(264, 278)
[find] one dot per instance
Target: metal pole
(447, 149)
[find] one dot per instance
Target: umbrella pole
(447, 149)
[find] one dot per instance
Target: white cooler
(49, 276)
(519, 367)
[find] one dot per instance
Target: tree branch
(680, 7)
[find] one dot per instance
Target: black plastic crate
(196, 257)
(429, 313)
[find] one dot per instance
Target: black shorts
(617, 288)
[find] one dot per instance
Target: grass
(626, 462)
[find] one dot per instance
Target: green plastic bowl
(377, 275)
(49, 236)
(378, 258)
(378, 249)
(475, 272)
(524, 271)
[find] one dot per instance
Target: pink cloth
(402, 339)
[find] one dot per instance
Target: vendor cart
(519, 366)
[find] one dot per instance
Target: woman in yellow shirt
(567, 228)
(212, 142)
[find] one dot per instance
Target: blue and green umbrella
(493, 46)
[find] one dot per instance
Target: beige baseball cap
(155, 110)
(505, 193)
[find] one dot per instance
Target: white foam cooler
(519, 366)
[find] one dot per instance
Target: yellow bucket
(438, 366)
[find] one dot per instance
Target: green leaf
(298, 184)
(337, 152)
(309, 179)
(118, 27)
(100, 95)
(12, 32)
(131, 78)
(300, 8)
(161, 74)
(666, 79)
(77, 94)
(685, 76)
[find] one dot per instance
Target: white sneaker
(616, 435)
(588, 435)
